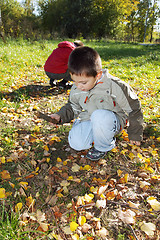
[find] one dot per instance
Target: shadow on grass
(119, 51)
(152, 129)
(28, 91)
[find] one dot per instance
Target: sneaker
(51, 82)
(94, 154)
(62, 84)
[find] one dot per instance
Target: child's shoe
(94, 154)
(62, 84)
(52, 82)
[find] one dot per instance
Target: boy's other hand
(138, 143)
(56, 117)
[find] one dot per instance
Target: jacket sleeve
(66, 113)
(70, 110)
(129, 102)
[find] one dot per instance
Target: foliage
(115, 19)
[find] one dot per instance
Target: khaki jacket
(109, 93)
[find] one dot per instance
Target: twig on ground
(133, 231)
(60, 232)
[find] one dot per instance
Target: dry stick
(133, 231)
(46, 117)
(60, 232)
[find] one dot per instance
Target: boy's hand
(138, 143)
(56, 117)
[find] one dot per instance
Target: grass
(23, 138)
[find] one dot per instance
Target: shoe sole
(94, 159)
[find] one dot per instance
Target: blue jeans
(100, 129)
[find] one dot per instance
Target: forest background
(124, 20)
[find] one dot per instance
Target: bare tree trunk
(146, 22)
(151, 38)
(1, 28)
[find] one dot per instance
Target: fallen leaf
(73, 226)
(86, 227)
(44, 226)
(127, 216)
(81, 220)
(154, 203)
(5, 174)
(2, 193)
(18, 207)
(134, 206)
(103, 232)
(75, 168)
(148, 228)
(102, 189)
(101, 203)
(75, 237)
(65, 183)
(40, 216)
(88, 197)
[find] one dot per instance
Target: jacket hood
(65, 44)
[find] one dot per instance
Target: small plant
(121, 237)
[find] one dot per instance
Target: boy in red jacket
(56, 66)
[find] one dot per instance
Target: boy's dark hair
(84, 60)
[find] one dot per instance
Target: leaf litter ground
(58, 193)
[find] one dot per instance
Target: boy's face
(85, 83)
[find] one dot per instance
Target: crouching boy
(101, 104)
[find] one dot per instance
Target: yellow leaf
(24, 185)
(70, 178)
(131, 155)
(35, 107)
(2, 160)
(18, 207)
(65, 163)
(124, 151)
(59, 159)
(59, 195)
(30, 201)
(126, 177)
(154, 153)
(94, 189)
(150, 169)
(4, 109)
(119, 172)
(81, 220)
(55, 138)
(12, 185)
(7, 139)
(46, 148)
(87, 167)
(88, 197)
(5, 174)
(2, 193)
(73, 226)
(48, 160)
(115, 150)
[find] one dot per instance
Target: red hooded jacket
(57, 62)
